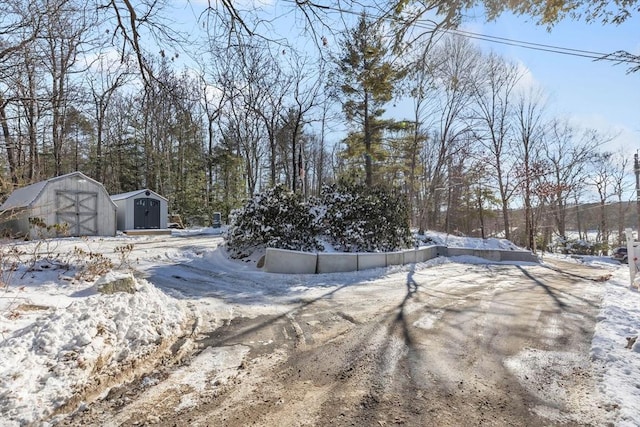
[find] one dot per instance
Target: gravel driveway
(437, 345)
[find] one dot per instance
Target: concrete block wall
(490, 254)
(371, 260)
(290, 262)
(409, 256)
(493, 254)
(337, 262)
(395, 258)
(431, 252)
(523, 256)
(295, 262)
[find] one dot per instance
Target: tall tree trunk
(8, 142)
(33, 162)
(368, 164)
(99, 126)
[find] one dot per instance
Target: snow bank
(452, 241)
(618, 320)
(65, 351)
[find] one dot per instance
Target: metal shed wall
(47, 204)
(121, 214)
(73, 199)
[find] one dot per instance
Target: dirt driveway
(442, 345)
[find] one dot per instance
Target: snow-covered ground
(59, 337)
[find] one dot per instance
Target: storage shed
(141, 210)
(73, 199)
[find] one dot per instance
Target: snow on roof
(25, 196)
(134, 193)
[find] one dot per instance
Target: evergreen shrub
(365, 219)
(578, 247)
(275, 218)
(352, 217)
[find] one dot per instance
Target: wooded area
(124, 94)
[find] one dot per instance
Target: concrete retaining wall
(290, 262)
(294, 262)
(431, 252)
(372, 260)
(337, 262)
(523, 256)
(395, 258)
(493, 254)
(409, 256)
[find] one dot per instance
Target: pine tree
(366, 77)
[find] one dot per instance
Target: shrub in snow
(423, 239)
(366, 219)
(577, 247)
(275, 218)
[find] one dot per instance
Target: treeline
(471, 135)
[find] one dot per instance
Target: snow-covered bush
(275, 218)
(351, 217)
(578, 247)
(367, 219)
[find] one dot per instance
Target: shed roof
(135, 193)
(25, 196)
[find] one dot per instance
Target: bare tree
(621, 184)
(421, 88)
(262, 86)
(20, 28)
(530, 131)
(214, 97)
(104, 80)
(64, 36)
(307, 82)
(493, 116)
(569, 153)
(454, 74)
(602, 181)
(28, 85)
(138, 27)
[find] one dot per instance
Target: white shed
(141, 209)
(74, 200)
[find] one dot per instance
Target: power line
(613, 57)
(531, 44)
(546, 48)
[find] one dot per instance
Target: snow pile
(453, 241)
(67, 350)
(614, 349)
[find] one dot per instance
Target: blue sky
(597, 94)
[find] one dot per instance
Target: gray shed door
(79, 209)
(146, 213)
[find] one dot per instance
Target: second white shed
(141, 209)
